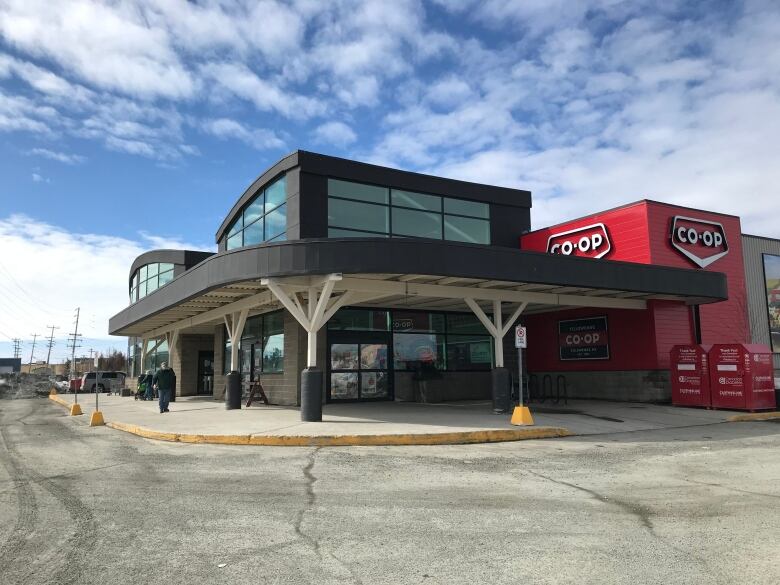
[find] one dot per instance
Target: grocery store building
(336, 280)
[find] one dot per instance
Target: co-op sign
(591, 241)
(701, 241)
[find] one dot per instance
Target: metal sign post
(521, 341)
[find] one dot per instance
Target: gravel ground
(93, 505)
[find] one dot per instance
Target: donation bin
(741, 376)
(690, 375)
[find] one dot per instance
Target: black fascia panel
(409, 256)
(341, 168)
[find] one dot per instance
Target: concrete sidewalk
(198, 420)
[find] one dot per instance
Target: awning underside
(406, 291)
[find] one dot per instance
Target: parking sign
(521, 340)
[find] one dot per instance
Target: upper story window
(263, 219)
(149, 278)
(360, 210)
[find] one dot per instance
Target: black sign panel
(584, 339)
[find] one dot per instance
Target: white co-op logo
(591, 241)
(701, 241)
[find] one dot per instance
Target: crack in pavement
(732, 489)
(311, 502)
(639, 512)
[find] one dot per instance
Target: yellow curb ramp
(751, 416)
(454, 438)
(60, 401)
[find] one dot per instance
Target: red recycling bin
(742, 376)
(690, 375)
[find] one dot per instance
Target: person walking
(147, 380)
(164, 382)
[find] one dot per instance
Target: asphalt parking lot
(94, 505)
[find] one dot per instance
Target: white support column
(235, 327)
(497, 328)
(316, 313)
(498, 321)
(172, 337)
(144, 345)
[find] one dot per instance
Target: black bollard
(311, 395)
(501, 396)
(233, 391)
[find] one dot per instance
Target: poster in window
(772, 279)
(583, 339)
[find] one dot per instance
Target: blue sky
(131, 125)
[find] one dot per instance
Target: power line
(37, 301)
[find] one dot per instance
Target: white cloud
(336, 133)
(259, 138)
(242, 82)
(51, 272)
(38, 178)
(107, 46)
(63, 157)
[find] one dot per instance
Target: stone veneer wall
(185, 362)
(281, 388)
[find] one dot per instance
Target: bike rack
(560, 381)
(547, 383)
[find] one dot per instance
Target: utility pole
(51, 342)
(73, 339)
(32, 353)
(17, 347)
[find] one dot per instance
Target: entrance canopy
(403, 273)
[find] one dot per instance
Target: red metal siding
(626, 226)
(640, 232)
(724, 322)
(631, 341)
(673, 326)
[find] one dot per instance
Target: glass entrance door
(205, 372)
(359, 368)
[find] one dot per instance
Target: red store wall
(641, 340)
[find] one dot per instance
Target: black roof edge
(186, 258)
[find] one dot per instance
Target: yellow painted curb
(53, 391)
(58, 400)
(750, 416)
(455, 438)
(96, 419)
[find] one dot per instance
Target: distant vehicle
(105, 381)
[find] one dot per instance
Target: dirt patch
(14, 386)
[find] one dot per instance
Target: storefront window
(273, 343)
(772, 280)
(359, 210)
(359, 320)
(156, 357)
(262, 346)
(413, 350)
(469, 352)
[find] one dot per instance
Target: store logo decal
(591, 241)
(701, 241)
